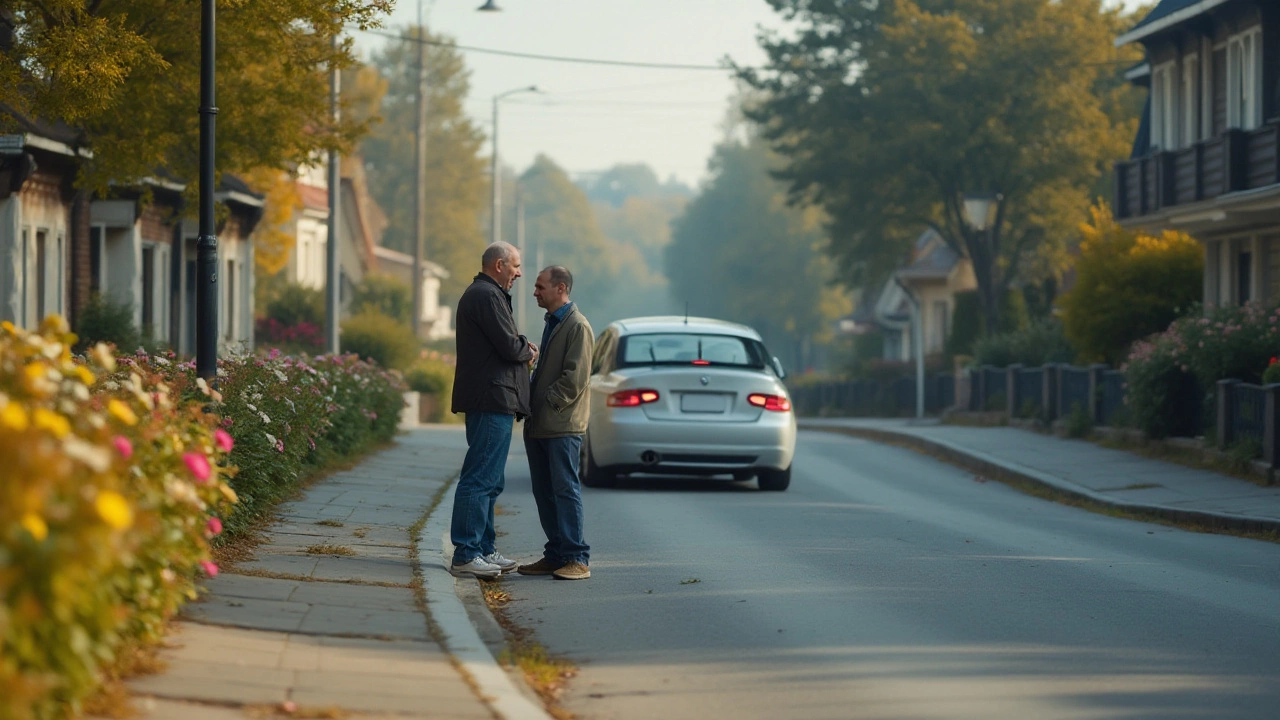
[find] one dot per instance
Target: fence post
(1011, 389)
(1049, 392)
(1225, 410)
(964, 390)
(1095, 392)
(1270, 453)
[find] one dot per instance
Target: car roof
(681, 324)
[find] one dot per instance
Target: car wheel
(592, 475)
(771, 480)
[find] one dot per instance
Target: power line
(550, 58)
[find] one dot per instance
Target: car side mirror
(777, 368)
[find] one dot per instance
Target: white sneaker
(479, 568)
(495, 558)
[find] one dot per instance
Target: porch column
(1211, 272)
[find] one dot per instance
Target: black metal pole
(206, 244)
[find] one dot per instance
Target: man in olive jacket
(558, 420)
(491, 386)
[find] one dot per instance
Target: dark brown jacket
(493, 357)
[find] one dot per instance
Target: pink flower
(311, 442)
(214, 526)
(123, 446)
(275, 352)
(279, 445)
(228, 421)
(209, 568)
(198, 464)
(223, 440)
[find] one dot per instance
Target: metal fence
(1073, 383)
(1030, 385)
(1113, 411)
(1248, 413)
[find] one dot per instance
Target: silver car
(687, 396)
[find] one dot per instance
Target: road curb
(462, 639)
(1002, 469)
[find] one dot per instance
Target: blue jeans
(479, 485)
(553, 466)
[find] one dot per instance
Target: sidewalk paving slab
(1086, 470)
(324, 631)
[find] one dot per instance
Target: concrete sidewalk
(332, 615)
(1084, 470)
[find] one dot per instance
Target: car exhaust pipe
(649, 457)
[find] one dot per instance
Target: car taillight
(701, 362)
(632, 398)
(776, 403)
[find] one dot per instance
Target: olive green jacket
(559, 403)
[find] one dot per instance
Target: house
(308, 260)
(43, 225)
(1206, 159)
(933, 277)
(436, 318)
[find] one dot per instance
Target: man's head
(552, 288)
(501, 261)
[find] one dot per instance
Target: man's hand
(534, 349)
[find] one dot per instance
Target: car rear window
(690, 348)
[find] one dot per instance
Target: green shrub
(386, 295)
(102, 320)
(374, 336)
(297, 305)
(997, 402)
(1163, 397)
(429, 376)
(1271, 375)
(1079, 423)
(1039, 343)
(1128, 285)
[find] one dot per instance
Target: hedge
(120, 473)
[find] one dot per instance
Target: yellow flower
(86, 375)
(14, 417)
(35, 372)
(8, 327)
(122, 412)
(114, 509)
(102, 355)
(51, 421)
(35, 525)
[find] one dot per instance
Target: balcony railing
(1234, 161)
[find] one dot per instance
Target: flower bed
(119, 472)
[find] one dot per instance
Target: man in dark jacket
(491, 387)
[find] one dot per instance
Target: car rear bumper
(630, 442)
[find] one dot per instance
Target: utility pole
(420, 178)
(206, 329)
(495, 190)
(522, 299)
(332, 275)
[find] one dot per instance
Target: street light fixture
(980, 209)
(496, 194)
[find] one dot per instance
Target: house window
(42, 277)
(148, 291)
(1190, 100)
(1244, 80)
(1244, 277)
(231, 299)
(1164, 134)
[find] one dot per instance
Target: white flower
(251, 407)
(271, 439)
(281, 376)
(265, 419)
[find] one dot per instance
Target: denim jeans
(479, 485)
(553, 466)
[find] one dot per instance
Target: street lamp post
(981, 212)
(495, 223)
(332, 274)
(420, 176)
(206, 329)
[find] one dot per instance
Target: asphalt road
(885, 584)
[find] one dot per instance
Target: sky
(588, 118)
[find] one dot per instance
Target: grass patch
(546, 674)
(361, 533)
(327, 549)
(330, 523)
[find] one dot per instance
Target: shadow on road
(654, 483)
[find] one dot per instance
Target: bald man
(491, 387)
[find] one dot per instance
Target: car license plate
(703, 403)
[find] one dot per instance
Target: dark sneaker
(542, 567)
(495, 558)
(478, 568)
(573, 571)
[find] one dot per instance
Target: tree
(125, 76)
(740, 253)
(888, 112)
(1128, 285)
(456, 186)
(559, 223)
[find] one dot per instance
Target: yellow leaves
(35, 526)
(122, 412)
(114, 509)
(86, 375)
(274, 238)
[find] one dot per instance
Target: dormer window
(1244, 80)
